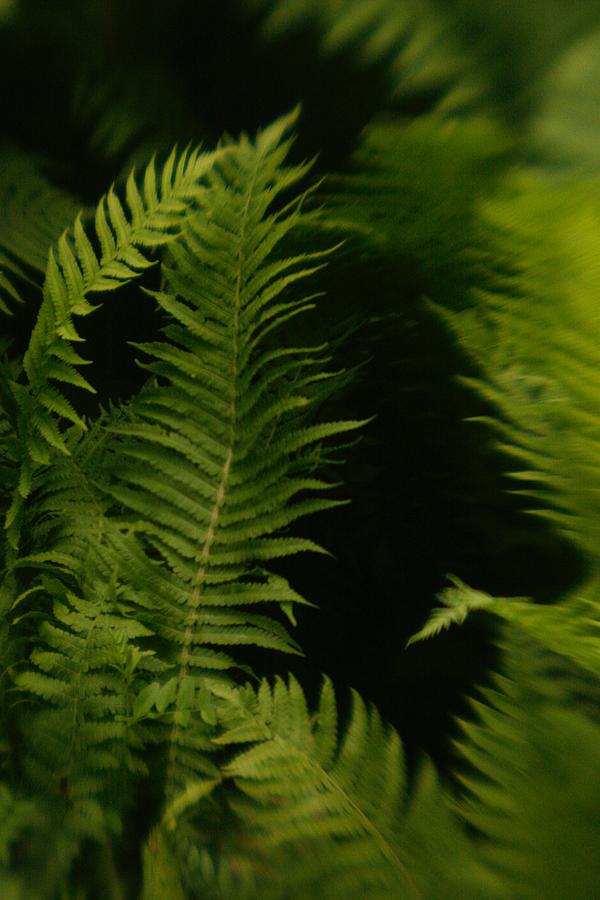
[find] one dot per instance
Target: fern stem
(200, 577)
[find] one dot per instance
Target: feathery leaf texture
(212, 464)
(34, 214)
(82, 741)
(402, 197)
(569, 627)
(530, 783)
(75, 270)
(139, 554)
(325, 814)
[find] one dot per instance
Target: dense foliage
(328, 334)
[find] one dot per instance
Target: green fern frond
(569, 628)
(34, 213)
(75, 270)
(212, 467)
(403, 200)
(414, 40)
(83, 744)
(323, 812)
(530, 784)
(457, 602)
(533, 337)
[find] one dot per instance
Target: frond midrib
(200, 576)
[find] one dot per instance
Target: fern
(323, 814)
(76, 270)
(34, 213)
(569, 628)
(145, 559)
(413, 39)
(528, 755)
(403, 202)
(82, 742)
(173, 552)
(212, 464)
(543, 392)
(532, 761)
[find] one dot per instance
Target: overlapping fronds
(214, 463)
(323, 812)
(413, 39)
(82, 744)
(525, 760)
(75, 270)
(533, 336)
(34, 214)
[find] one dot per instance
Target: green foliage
(542, 243)
(404, 197)
(325, 811)
(34, 213)
(413, 39)
(75, 270)
(147, 556)
(531, 760)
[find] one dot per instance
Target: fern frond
(83, 742)
(413, 40)
(323, 812)
(212, 467)
(34, 213)
(457, 603)
(403, 199)
(543, 392)
(75, 270)
(531, 785)
(569, 627)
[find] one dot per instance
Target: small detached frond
(569, 628)
(457, 603)
(154, 216)
(214, 464)
(34, 214)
